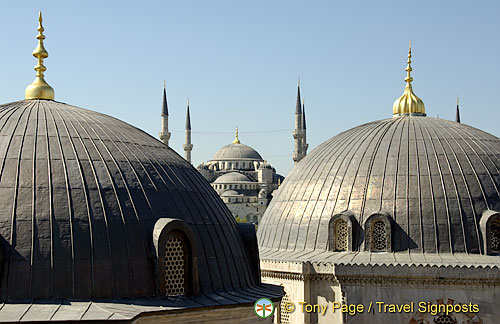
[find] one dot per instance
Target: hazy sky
(238, 61)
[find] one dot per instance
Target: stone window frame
(487, 219)
(165, 228)
(368, 226)
(349, 218)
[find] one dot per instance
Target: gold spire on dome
(236, 139)
(40, 89)
(408, 103)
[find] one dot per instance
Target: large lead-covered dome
(433, 178)
(80, 193)
(237, 151)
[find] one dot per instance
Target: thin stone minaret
(164, 133)
(305, 146)
(457, 114)
(188, 147)
(298, 133)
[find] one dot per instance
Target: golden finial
(164, 84)
(408, 103)
(279, 182)
(236, 139)
(457, 101)
(298, 82)
(40, 89)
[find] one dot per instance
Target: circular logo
(263, 308)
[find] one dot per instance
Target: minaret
(164, 133)
(304, 140)
(39, 89)
(188, 147)
(457, 115)
(298, 133)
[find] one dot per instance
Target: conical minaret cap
(408, 103)
(40, 89)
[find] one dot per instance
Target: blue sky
(238, 61)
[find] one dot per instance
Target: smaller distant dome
(232, 177)
(236, 152)
(230, 193)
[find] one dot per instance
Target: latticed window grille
(175, 267)
(379, 236)
(341, 235)
(495, 236)
(444, 319)
(284, 315)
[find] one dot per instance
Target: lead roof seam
(54, 312)
(319, 158)
(370, 167)
(68, 194)
(475, 173)
(476, 216)
(221, 208)
(417, 158)
(326, 153)
(86, 310)
(25, 311)
(436, 241)
(220, 237)
(322, 148)
(396, 173)
(102, 199)
(33, 199)
(195, 225)
(87, 201)
(484, 165)
(445, 196)
(16, 191)
(407, 193)
(454, 185)
(51, 202)
(380, 125)
(141, 231)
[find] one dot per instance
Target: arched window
(495, 236)
(176, 261)
(342, 229)
(379, 235)
(176, 254)
(490, 230)
(341, 235)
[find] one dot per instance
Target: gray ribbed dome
(433, 177)
(237, 152)
(80, 193)
(232, 177)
